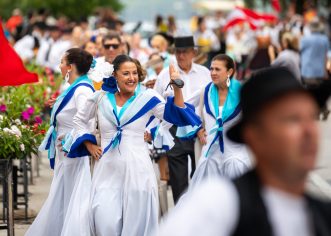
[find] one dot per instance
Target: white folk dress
(220, 156)
(124, 197)
(65, 212)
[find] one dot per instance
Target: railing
(6, 171)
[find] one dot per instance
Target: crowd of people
(180, 94)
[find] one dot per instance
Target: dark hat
(166, 36)
(265, 86)
(184, 42)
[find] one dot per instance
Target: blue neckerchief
(144, 99)
(112, 99)
(51, 135)
(230, 110)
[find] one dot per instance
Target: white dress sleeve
(212, 209)
(84, 126)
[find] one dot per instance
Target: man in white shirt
(279, 124)
(195, 78)
(30, 43)
(51, 50)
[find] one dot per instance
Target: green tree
(73, 9)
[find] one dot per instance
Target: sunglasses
(113, 46)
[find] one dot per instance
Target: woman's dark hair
(80, 58)
(120, 59)
(141, 71)
(229, 63)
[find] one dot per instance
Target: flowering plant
(24, 117)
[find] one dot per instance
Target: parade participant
(124, 197)
(65, 211)
(195, 76)
(219, 105)
(279, 124)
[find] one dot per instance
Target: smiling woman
(124, 198)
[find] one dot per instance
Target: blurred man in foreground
(279, 124)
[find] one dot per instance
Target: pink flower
(25, 115)
(3, 108)
(38, 120)
(30, 110)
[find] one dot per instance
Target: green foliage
(73, 9)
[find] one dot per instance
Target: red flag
(276, 5)
(254, 19)
(12, 70)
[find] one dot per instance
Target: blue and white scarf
(230, 110)
(49, 141)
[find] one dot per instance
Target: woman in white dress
(124, 196)
(219, 107)
(65, 211)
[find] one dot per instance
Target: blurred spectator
(289, 56)
(14, 23)
(112, 47)
(91, 48)
(51, 50)
(172, 28)
(206, 38)
(160, 42)
(160, 26)
(27, 47)
(154, 67)
(314, 48)
(137, 52)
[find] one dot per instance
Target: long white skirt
(65, 211)
(124, 197)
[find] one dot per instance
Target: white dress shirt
(213, 210)
(196, 79)
(57, 50)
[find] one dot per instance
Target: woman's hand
(94, 150)
(202, 134)
(147, 137)
(60, 138)
(174, 74)
(51, 102)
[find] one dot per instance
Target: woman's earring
(228, 82)
(66, 78)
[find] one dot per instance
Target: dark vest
(253, 219)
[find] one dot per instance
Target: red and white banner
(254, 19)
